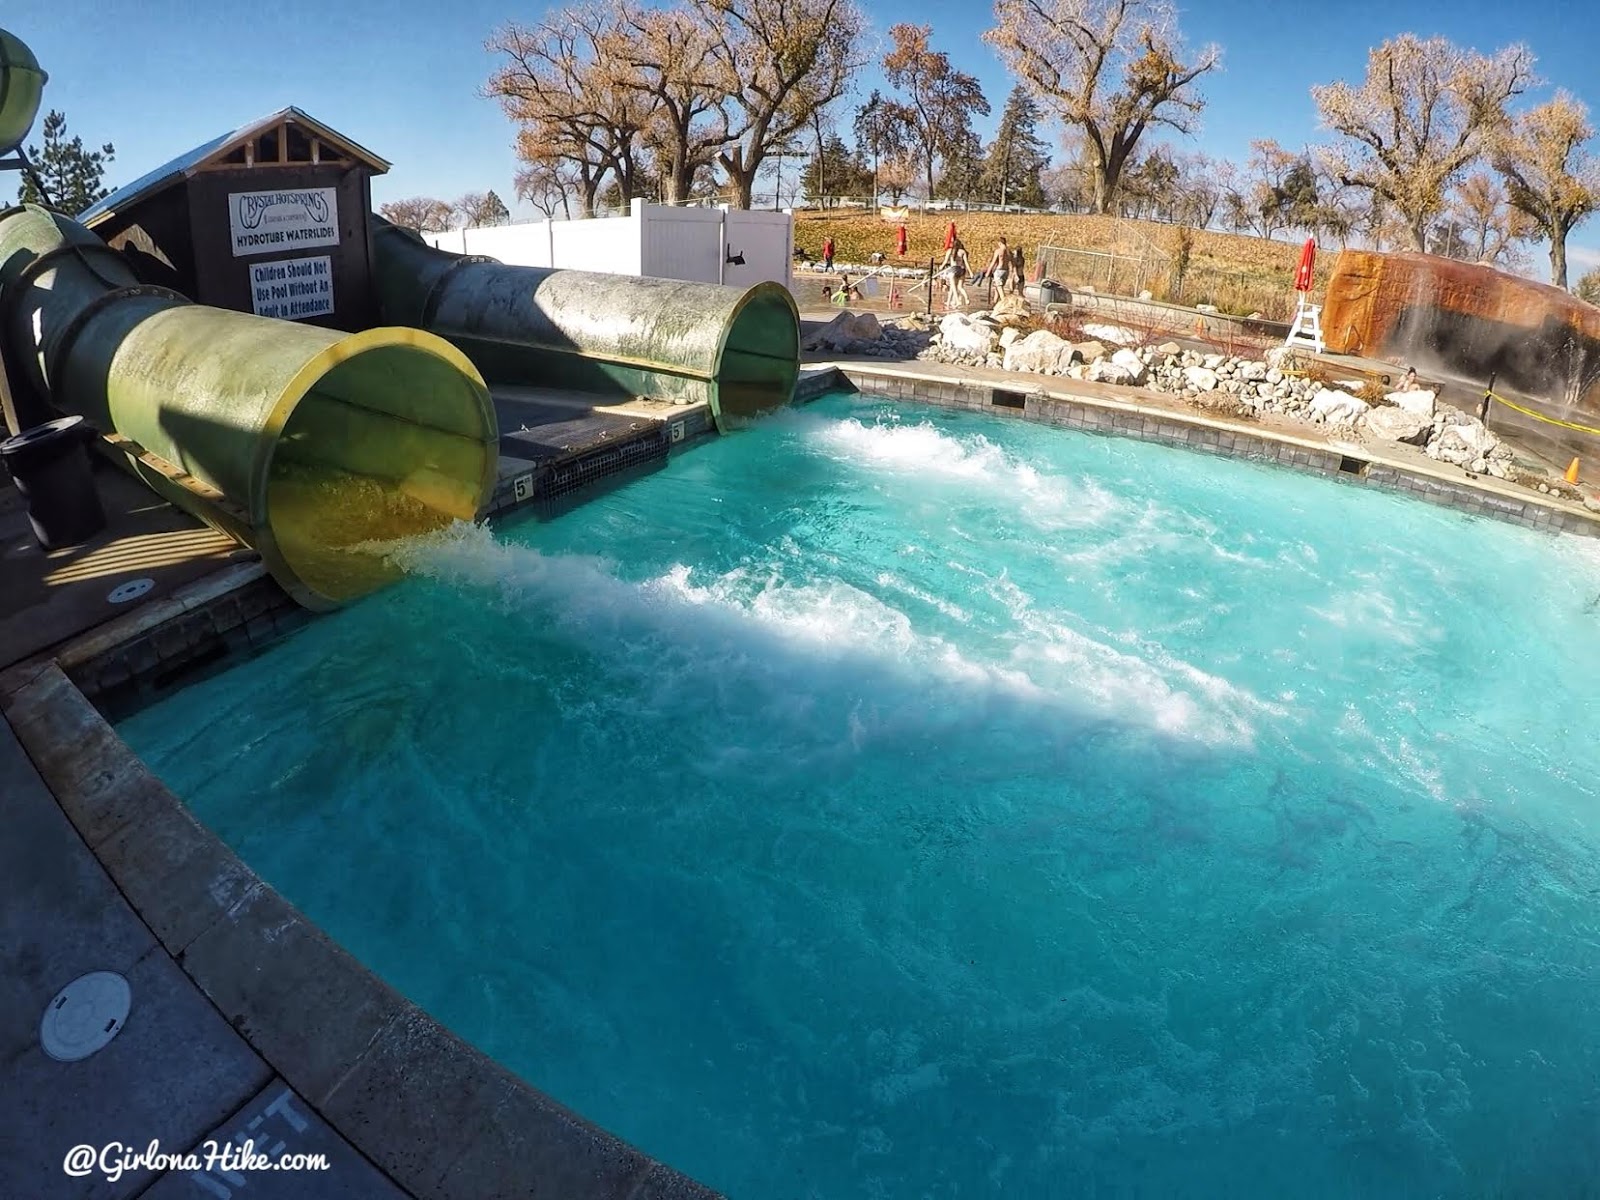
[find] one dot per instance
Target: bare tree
(570, 102)
(1150, 186)
(1112, 68)
(547, 184)
(1255, 198)
(1200, 189)
(477, 209)
(669, 55)
(421, 213)
(1063, 186)
(1587, 288)
(940, 101)
(779, 61)
(880, 134)
(1550, 177)
(1491, 228)
(897, 175)
(1426, 111)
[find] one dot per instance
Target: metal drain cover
(131, 590)
(85, 1015)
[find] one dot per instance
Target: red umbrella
(950, 236)
(1308, 262)
(901, 241)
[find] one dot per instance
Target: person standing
(827, 255)
(957, 267)
(999, 268)
(1018, 275)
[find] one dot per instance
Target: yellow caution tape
(1528, 412)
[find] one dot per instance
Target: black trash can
(50, 464)
(1051, 292)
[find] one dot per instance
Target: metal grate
(563, 478)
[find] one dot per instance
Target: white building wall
(766, 240)
(653, 239)
(682, 243)
(610, 244)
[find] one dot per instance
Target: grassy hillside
(1238, 274)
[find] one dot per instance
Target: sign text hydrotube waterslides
(286, 220)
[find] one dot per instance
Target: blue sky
(401, 76)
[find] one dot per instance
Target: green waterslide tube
(736, 349)
(300, 441)
(21, 88)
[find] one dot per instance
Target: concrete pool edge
(1098, 409)
(437, 1116)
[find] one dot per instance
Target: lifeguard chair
(1307, 327)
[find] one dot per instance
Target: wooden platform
(47, 597)
(555, 442)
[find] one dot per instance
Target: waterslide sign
(292, 288)
(289, 220)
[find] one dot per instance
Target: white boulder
(1040, 351)
(966, 335)
(1200, 378)
(1105, 371)
(1010, 310)
(1464, 443)
(1420, 402)
(1396, 425)
(1130, 362)
(845, 331)
(1336, 406)
(1116, 334)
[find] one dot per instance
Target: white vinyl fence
(705, 245)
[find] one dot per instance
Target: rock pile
(1225, 384)
(863, 334)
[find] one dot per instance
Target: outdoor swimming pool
(895, 803)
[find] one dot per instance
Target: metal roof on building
(188, 163)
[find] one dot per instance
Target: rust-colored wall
(1469, 320)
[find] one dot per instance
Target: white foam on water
(1371, 609)
(924, 450)
(953, 611)
(727, 618)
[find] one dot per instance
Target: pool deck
(247, 1021)
(47, 597)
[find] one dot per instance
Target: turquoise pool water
(893, 803)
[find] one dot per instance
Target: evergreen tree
(838, 172)
(1017, 155)
(71, 174)
(881, 136)
(962, 173)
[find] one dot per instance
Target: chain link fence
(1238, 293)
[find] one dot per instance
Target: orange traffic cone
(1572, 472)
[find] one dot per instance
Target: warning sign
(292, 288)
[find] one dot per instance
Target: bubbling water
(904, 805)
